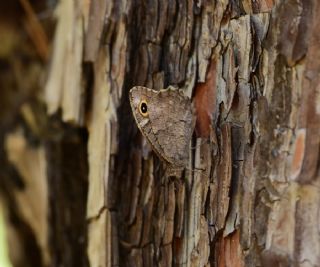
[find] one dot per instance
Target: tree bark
(81, 186)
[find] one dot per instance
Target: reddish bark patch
(298, 154)
(230, 251)
(262, 5)
(205, 102)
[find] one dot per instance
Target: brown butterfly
(166, 118)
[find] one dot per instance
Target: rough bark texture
(82, 187)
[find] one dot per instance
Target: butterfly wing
(169, 124)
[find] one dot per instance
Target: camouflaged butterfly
(166, 118)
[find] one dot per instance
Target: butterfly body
(166, 118)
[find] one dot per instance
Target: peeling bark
(81, 186)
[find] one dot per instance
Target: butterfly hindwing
(168, 124)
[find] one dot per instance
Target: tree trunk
(79, 183)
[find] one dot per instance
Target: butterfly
(166, 118)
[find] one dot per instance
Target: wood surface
(81, 187)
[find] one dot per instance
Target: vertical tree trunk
(82, 187)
